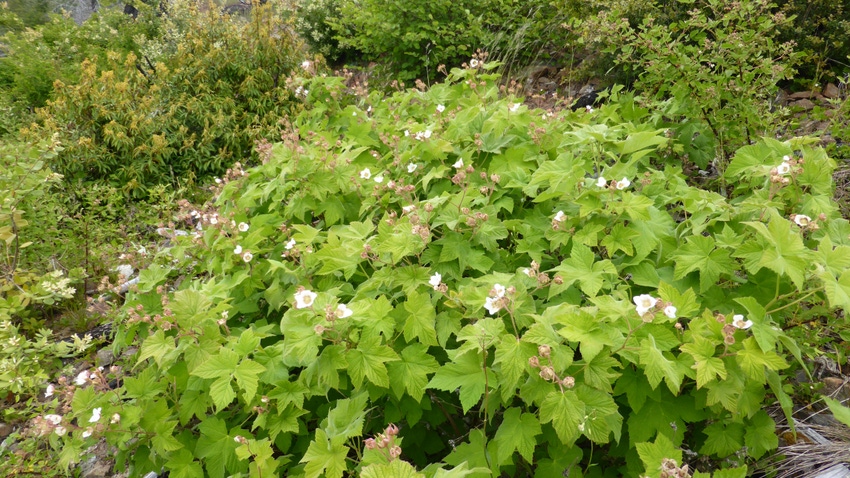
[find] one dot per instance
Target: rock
(803, 104)
(129, 352)
(831, 91)
(5, 430)
(836, 388)
(105, 357)
(802, 95)
(95, 467)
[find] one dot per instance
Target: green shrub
(190, 103)
(819, 28)
(521, 293)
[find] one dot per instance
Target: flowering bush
(500, 308)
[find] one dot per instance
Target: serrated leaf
(517, 433)
(221, 392)
(158, 346)
(837, 291)
(785, 252)
(216, 447)
(699, 254)
(393, 469)
(345, 420)
(723, 439)
(368, 361)
(581, 268)
(652, 454)
(839, 411)
(566, 412)
(246, 375)
(324, 458)
(222, 364)
(511, 360)
(183, 465)
(658, 366)
(420, 320)
(466, 373)
(411, 372)
(760, 436)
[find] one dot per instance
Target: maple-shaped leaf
(246, 374)
(658, 366)
(516, 433)
(217, 448)
(324, 458)
(393, 469)
(837, 290)
(754, 361)
(420, 319)
(511, 361)
(652, 454)
(411, 372)
(582, 268)
(760, 435)
(699, 254)
(368, 361)
(723, 439)
(183, 465)
(620, 239)
(565, 411)
(584, 328)
(466, 373)
(783, 251)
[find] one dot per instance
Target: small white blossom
(560, 216)
(342, 311)
(436, 280)
(623, 183)
(82, 378)
(243, 227)
(365, 174)
(427, 133)
(88, 432)
(406, 132)
(60, 430)
(218, 180)
(53, 419)
(783, 168)
(214, 219)
(499, 290)
(802, 220)
(458, 164)
(306, 64)
(739, 322)
(290, 244)
(589, 108)
(49, 392)
(125, 270)
(408, 209)
(601, 182)
(115, 418)
(237, 250)
(95, 415)
(473, 63)
(515, 107)
(304, 298)
(379, 179)
(441, 108)
(527, 271)
(670, 311)
(247, 256)
(411, 167)
(493, 305)
(643, 303)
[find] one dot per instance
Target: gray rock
(5, 429)
(95, 467)
(105, 357)
(831, 91)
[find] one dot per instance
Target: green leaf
(145, 385)
(784, 252)
(246, 374)
(517, 433)
(324, 458)
(217, 448)
(723, 439)
(222, 364)
(420, 319)
(368, 361)
(411, 372)
(753, 360)
(465, 372)
(652, 454)
(345, 420)
(587, 330)
(566, 412)
(221, 392)
(393, 469)
(837, 291)
(658, 366)
(581, 268)
(183, 465)
(839, 411)
(512, 359)
(160, 347)
(620, 238)
(699, 254)
(760, 436)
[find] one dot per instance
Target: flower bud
(568, 382)
(395, 451)
(547, 373)
(370, 444)
(544, 351)
(392, 430)
(534, 361)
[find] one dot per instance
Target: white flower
(458, 164)
(88, 432)
(125, 270)
(304, 298)
(49, 392)
(290, 244)
(643, 303)
(473, 63)
(365, 174)
(499, 290)
(408, 209)
(214, 219)
(802, 220)
(783, 168)
(379, 179)
(243, 227)
(247, 256)
(441, 108)
(670, 311)
(115, 418)
(53, 419)
(406, 132)
(305, 64)
(95, 415)
(527, 271)
(237, 250)
(218, 180)
(493, 305)
(82, 378)
(427, 133)
(342, 311)
(739, 322)
(786, 158)
(515, 107)
(435, 280)
(601, 182)
(60, 430)
(560, 216)
(411, 167)
(143, 251)
(589, 108)
(623, 183)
